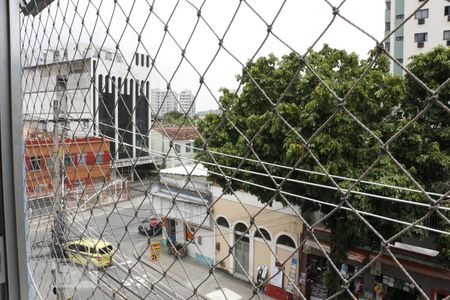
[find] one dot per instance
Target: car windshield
(105, 250)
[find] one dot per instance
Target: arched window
(264, 233)
(286, 241)
(222, 222)
(240, 227)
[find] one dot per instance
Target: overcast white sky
(299, 23)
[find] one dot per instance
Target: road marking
(219, 295)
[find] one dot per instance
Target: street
(133, 275)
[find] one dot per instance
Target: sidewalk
(235, 289)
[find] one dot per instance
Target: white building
(187, 104)
(102, 89)
(163, 101)
(182, 140)
(186, 221)
(429, 28)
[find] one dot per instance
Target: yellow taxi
(86, 250)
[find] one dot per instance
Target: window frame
(418, 34)
(69, 160)
(219, 223)
(420, 11)
(188, 148)
(448, 38)
(35, 160)
(447, 10)
(265, 234)
(82, 159)
(277, 242)
(99, 157)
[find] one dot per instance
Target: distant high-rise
(163, 101)
(186, 99)
(429, 28)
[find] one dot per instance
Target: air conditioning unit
(421, 21)
(420, 44)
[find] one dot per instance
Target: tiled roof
(176, 133)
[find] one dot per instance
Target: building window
(388, 5)
(400, 17)
(286, 241)
(35, 163)
(447, 36)
(142, 59)
(387, 26)
(399, 38)
(262, 233)
(178, 148)
(222, 222)
(99, 158)
(82, 158)
(137, 59)
(400, 60)
(420, 39)
(241, 228)
(447, 11)
(147, 62)
(68, 160)
(188, 147)
(387, 46)
(421, 15)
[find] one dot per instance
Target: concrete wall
(203, 248)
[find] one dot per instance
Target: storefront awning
(351, 255)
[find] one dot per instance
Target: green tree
(179, 119)
(425, 148)
(276, 127)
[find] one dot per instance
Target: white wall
(204, 252)
(434, 25)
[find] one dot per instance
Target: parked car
(86, 250)
(150, 226)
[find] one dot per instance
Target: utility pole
(59, 220)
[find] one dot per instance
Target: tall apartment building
(106, 96)
(429, 28)
(186, 99)
(163, 101)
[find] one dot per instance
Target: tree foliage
(178, 118)
(279, 117)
